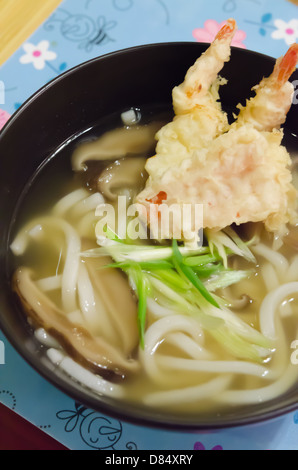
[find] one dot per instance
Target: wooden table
(18, 20)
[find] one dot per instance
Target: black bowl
(70, 104)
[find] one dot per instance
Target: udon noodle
(194, 356)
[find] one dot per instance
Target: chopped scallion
(191, 275)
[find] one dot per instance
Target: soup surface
(180, 353)
(156, 255)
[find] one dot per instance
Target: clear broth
(56, 179)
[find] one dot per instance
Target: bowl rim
(126, 50)
(127, 413)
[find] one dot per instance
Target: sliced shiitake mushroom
(94, 353)
(115, 144)
(126, 173)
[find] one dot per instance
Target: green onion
(225, 279)
(191, 275)
(185, 281)
(144, 265)
(208, 270)
(228, 242)
(202, 260)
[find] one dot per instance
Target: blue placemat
(76, 32)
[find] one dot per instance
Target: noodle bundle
(199, 325)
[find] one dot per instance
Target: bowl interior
(66, 107)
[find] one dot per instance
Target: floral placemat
(77, 31)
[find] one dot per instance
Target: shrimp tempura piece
(268, 109)
(196, 90)
(199, 118)
(244, 174)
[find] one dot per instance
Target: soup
(191, 325)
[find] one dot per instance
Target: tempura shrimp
(198, 87)
(268, 109)
(199, 117)
(243, 174)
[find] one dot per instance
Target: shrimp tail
(274, 95)
(227, 31)
(287, 65)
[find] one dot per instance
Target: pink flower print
(210, 30)
(4, 116)
(200, 446)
